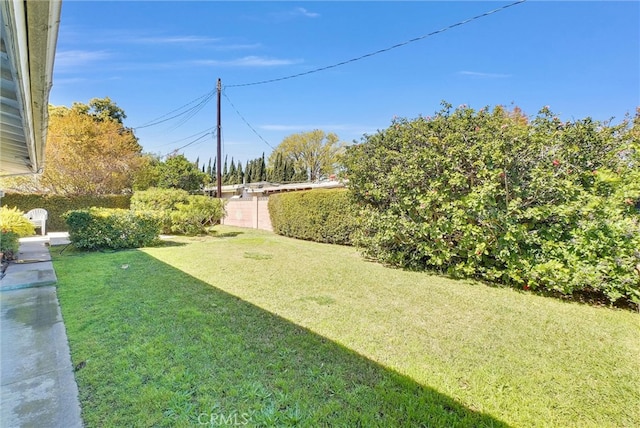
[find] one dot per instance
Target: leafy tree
(90, 152)
(178, 172)
(315, 153)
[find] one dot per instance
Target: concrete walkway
(37, 385)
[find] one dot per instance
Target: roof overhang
(29, 33)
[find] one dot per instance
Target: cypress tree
(248, 172)
(239, 173)
(262, 169)
(225, 171)
(231, 177)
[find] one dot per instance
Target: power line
(190, 136)
(193, 111)
(162, 119)
(245, 121)
(188, 144)
(442, 30)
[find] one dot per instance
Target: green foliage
(539, 204)
(158, 199)
(161, 202)
(13, 220)
(178, 211)
(57, 205)
(282, 170)
(103, 228)
(198, 213)
(179, 173)
(9, 244)
(101, 109)
(317, 215)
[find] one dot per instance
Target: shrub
(57, 205)
(9, 244)
(13, 220)
(198, 213)
(161, 202)
(317, 215)
(102, 228)
(535, 204)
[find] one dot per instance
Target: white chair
(38, 217)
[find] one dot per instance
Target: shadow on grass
(162, 348)
(217, 234)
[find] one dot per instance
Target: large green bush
(536, 204)
(57, 205)
(179, 212)
(102, 228)
(316, 215)
(196, 215)
(161, 202)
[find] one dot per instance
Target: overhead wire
(246, 122)
(188, 144)
(188, 137)
(204, 99)
(193, 111)
(370, 54)
(164, 117)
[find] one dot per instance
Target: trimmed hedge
(103, 228)
(316, 215)
(57, 205)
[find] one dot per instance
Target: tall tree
(316, 153)
(225, 172)
(231, 177)
(90, 152)
(239, 174)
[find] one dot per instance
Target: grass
(249, 327)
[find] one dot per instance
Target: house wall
(250, 212)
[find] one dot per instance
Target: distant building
(265, 188)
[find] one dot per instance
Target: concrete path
(37, 385)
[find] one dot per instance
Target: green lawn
(250, 327)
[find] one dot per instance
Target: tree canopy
(314, 152)
(89, 151)
(178, 172)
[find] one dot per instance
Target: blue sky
(153, 57)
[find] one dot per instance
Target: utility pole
(219, 159)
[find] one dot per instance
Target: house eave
(29, 32)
